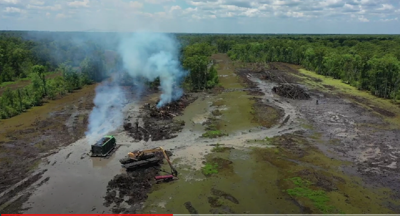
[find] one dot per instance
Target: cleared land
(240, 149)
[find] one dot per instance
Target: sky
(204, 16)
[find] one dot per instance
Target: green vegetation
(315, 181)
(210, 168)
(213, 134)
(33, 60)
(318, 197)
(196, 59)
(367, 62)
(217, 148)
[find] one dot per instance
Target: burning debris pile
(170, 110)
(291, 91)
(158, 123)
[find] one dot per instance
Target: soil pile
(291, 91)
(158, 123)
(129, 190)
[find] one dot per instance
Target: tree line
(34, 55)
(74, 65)
(368, 65)
(368, 62)
(202, 73)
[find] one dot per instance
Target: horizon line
(220, 33)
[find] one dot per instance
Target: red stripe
(87, 214)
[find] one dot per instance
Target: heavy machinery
(146, 158)
(103, 147)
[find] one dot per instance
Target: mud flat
(28, 138)
(27, 141)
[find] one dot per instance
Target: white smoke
(155, 55)
(107, 115)
(144, 55)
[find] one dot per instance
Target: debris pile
(291, 91)
(131, 188)
(137, 132)
(158, 123)
(170, 110)
(127, 191)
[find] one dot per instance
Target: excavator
(145, 158)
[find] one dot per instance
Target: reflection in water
(100, 162)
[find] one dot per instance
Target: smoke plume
(107, 115)
(144, 56)
(151, 56)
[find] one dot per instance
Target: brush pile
(158, 123)
(137, 132)
(291, 91)
(170, 110)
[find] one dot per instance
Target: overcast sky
(204, 16)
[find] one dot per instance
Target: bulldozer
(146, 158)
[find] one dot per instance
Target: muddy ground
(262, 153)
(31, 136)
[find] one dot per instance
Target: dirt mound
(291, 91)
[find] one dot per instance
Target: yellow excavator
(146, 158)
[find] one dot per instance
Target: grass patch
(213, 134)
(265, 141)
(4, 84)
(19, 80)
(315, 181)
(209, 169)
(319, 198)
(219, 148)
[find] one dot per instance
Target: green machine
(104, 146)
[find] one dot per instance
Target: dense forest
(75, 60)
(368, 62)
(73, 65)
